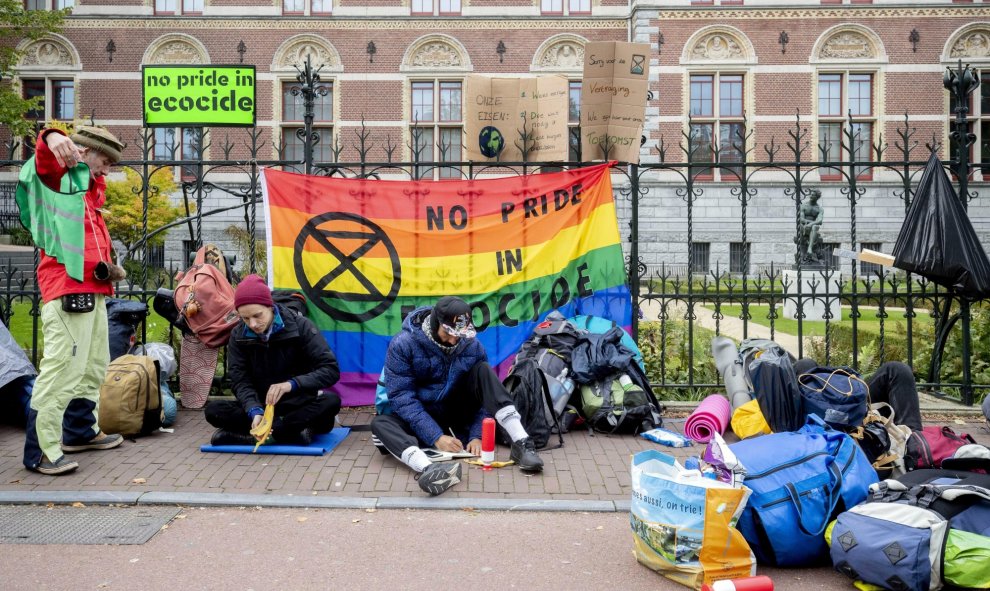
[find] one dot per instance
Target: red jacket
(52, 278)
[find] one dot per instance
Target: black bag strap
(549, 402)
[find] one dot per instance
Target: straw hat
(98, 139)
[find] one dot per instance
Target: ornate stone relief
(847, 45)
(973, 44)
(177, 52)
(436, 54)
(717, 46)
(565, 54)
(298, 52)
(46, 53)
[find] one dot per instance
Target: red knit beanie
(252, 290)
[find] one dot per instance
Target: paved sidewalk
(590, 473)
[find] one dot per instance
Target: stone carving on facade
(847, 45)
(436, 54)
(46, 54)
(717, 46)
(297, 54)
(177, 52)
(563, 55)
(973, 44)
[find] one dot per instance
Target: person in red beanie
(275, 356)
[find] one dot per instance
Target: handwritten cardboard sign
(613, 99)
(499, 111)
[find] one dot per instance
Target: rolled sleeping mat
(729, 365)
(711, 416)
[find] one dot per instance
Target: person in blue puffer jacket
(440, 388)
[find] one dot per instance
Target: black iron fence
(889, 315)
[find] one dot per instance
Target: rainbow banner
(366, 252)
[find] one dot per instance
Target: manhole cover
(82, 525)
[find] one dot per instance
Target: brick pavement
(588, 468)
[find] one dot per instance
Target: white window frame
(717, 119)
(841, 119)
(438, 125)
(566, 7)
(436, 7)
(323, 122)
(326, 8)
(179, 7)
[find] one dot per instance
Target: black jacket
(299, 351)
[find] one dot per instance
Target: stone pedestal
(814, 309)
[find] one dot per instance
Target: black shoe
(224, 437)
(62, 465)
(437, 478)
(303, 438)
(523, 453)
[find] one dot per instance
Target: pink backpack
(206, 300)
(928, 447)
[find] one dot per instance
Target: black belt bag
(77, 303)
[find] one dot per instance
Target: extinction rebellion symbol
(336, 283)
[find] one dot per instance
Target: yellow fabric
(747, 420)
(264, 428)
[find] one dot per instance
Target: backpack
(928, 447)
(123, 318)
(291, 300)
(205, 299)
(838, 395)
(917, 536)
(130, 397)
(527, 385)
(775, 386)
(618, 405)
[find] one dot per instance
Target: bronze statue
(809, 239)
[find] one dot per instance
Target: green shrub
(665, 348)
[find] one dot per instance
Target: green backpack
(618, 405)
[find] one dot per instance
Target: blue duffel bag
(836, 394)
(800, 481)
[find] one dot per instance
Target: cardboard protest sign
(500, 110)
(613, 99)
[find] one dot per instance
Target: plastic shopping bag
(684, 523)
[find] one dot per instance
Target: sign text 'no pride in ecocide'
(198, 95)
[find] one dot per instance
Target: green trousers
(76, 355)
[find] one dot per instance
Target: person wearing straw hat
(60, 192)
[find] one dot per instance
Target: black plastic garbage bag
(937, 240)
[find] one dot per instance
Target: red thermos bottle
(760, 583)
(487, 443)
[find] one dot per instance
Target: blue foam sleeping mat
(321, 445)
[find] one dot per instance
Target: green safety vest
(56, 219)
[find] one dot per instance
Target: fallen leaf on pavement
(356, 521)
(301, 519)
(139, 480)
(600, 527)
(181, 516)
(369, 510)
(13, 481)
(78, 505)
(960, 422)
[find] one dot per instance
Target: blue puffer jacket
(419, 376)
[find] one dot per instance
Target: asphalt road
(252, 549)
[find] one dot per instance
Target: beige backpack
(131, 397)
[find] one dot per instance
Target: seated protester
(892, 383)
(16, 380)
(275, 356)
(440, 388)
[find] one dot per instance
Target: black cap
(454, 315)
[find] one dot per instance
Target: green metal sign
(183, 95)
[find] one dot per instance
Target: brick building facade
(720, 69)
